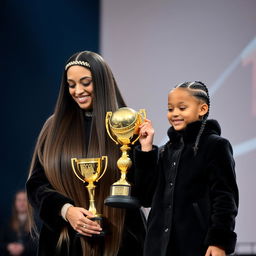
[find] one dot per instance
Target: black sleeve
(47, 201)
(145, 174)
(224, 197)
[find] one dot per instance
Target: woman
(76, 129)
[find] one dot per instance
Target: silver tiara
(77, 62)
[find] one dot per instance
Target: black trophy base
(122, 202)
(100, 221)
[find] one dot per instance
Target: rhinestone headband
(77, 62)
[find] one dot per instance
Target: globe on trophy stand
(122, 127)
(90, 170)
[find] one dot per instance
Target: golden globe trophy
(90, 170)
(122, 127)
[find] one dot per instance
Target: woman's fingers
(86, 212)
(89, 229)
(82, 221)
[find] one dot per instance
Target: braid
(199, 136)
(200, 91)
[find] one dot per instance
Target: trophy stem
(124, 163)
(91, 191)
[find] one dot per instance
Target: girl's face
(80, 84)
(183, 108)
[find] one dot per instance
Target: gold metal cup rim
(87, 160)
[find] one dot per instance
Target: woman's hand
(215, 251)
(79, 219)
(146, 135)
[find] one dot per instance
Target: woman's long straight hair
(63, 137)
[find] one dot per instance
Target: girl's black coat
(195, 197)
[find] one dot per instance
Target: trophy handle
(142, 116)
(108, 115)
(74, 169)
(106, 165)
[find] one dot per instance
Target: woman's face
(80, 84)
(21, 202)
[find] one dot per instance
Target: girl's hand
(79, 219)
(215, 251)
(146, 135)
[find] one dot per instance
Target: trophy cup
(90, 170)
(123, 124)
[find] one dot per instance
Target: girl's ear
(203, 109)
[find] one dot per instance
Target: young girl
(191, 188)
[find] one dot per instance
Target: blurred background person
(15, 238)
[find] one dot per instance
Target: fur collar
(192, 129)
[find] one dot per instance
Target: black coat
(194, 198)
(49, 203)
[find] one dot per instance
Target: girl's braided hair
(199, 90)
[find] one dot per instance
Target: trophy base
(101, 234)
(100, 221)
(122, 202)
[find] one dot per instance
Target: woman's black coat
(48, 203)
(195, 197)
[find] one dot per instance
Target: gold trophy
(90, 170)
(122, 127)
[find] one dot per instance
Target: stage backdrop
(37, 37)
(153, 45)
